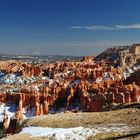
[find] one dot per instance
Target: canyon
(91, 84)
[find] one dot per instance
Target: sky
(67, 27)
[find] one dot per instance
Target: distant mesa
(121, 55)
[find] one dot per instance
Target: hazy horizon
(67, 28)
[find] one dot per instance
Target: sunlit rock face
(121, 55)
(28, 89)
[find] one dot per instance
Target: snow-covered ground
(76, 133)
(10, 110)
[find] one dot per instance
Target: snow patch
(76, 133)
(9, 109)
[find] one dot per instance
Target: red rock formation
(97, 103)
(119, 98)
(41, 109)
(110, 98)
(37, 107)
(82, 100)
(127, 97)
(19, 112)
(19, 115)
(135, 95)
(45, 107)
(10, 66)
(87, 58)
(3, 97)
(92, 92)
(30, 70)
(69, 99)
(5, 121)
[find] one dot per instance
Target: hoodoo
(90, 84)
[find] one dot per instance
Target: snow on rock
(127, 73)
(74, 82)
(28, 113)
(15, 79)
(10, 111)
(76, 133)
(98, 80)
